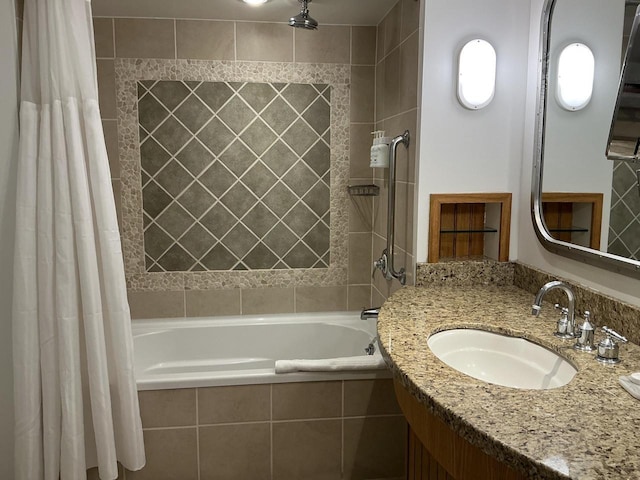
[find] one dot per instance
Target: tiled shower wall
(397, 80)
(624, 222)
(245, 42)
(235, 175)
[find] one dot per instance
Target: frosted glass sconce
(476, 74)
(576, 67)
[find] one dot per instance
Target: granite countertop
(588, 429)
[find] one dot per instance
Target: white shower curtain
(76, 404)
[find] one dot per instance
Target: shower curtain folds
(76, 402)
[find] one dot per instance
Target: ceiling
(326, 12)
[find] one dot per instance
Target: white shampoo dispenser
(380, 150)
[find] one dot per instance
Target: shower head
(303, 20)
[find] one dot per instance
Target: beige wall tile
(205, 40)
(410, 19)
(144, 38)
(391, 85)
(380, 210)
(359, 297)
(374, 447)
(392, 28)
(242, 403)
(103, 33)
(379, 95)
(165, 304)
(307, 400)
(110, 129)
(321, 299)
(168, 408)
(404, 209)
(269, 42)
(380, 41)
(171, 455)
(267, 300)
(376, 297)
(408, 95)
(107, 88)
(370, 397)
(360, 260)
(308, 450)
(205, 303)
(116, 186)
(329, 44)
(360, 139)
(235, 452)
(410, 266)
(362, 93)
(360, 214)
(363, 45)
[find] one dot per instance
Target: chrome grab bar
(385, 262)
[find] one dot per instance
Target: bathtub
(242, 350)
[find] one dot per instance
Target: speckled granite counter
(588, 429)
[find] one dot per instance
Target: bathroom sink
(500, 359)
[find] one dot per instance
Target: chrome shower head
(303, 20)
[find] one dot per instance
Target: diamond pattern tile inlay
(624, 221)
(234, 175)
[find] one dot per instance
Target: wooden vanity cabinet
(435, 452)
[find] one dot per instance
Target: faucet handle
(608, 350)
(612, 333)
(565, 328)
(563, 310)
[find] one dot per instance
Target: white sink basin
(503, 360)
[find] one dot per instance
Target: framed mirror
(584, 205)
(624, 135)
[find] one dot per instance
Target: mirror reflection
(589, 200)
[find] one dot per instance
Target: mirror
(624, 137)
(585, 206)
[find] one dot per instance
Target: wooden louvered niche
(469, 225)
(574, 217)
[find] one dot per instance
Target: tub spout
(369, 313)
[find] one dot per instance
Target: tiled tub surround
(235, 175)
(397, 110)
(250, 151)
(316, 430)
(543, 434)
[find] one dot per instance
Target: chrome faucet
(369, 313)
(568, 328)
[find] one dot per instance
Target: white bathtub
(242, 350)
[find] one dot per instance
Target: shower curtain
(76, 403)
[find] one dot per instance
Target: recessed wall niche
(235, 175)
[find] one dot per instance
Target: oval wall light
(576, 69)
(476, 74)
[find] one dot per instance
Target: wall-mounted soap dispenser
(380, 150)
